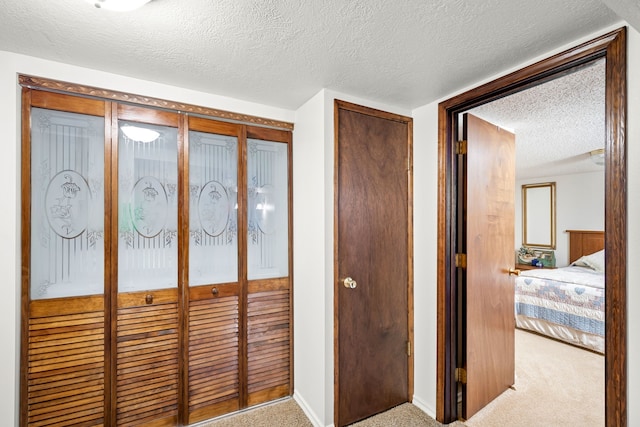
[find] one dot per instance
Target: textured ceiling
(403, 53)
(556, 123)
(281, 52)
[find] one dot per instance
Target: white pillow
(594, 261)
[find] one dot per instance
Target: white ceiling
(282, 52)
(404, 53)
(556, 123)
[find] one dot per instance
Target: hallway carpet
(556, 385)
(406, 415)
(287, 413)
(284, 413)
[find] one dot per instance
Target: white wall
(10, 66)
(579, 206)
(9, 245)
(425, 243)
(310, 310)
(313, 166)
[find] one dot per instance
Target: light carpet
(287, 413)
(405, 415)
(284, 413)
(557, 385)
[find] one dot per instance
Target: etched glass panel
(67, 204)
(147, 207)
(213, 208)
(268, 230)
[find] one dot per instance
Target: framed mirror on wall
(539, 215)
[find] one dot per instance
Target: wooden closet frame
(248, 127)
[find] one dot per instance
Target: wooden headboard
(583, 242)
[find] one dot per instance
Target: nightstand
(531, 267)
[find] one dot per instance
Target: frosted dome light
(118, 5)
(139, 134)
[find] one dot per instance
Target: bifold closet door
(64, 374)
(156, 285)
(148, 311)
(214, 299)
(269, 311)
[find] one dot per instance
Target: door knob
(514, 272)
(349, 283)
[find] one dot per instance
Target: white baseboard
(424, 407)
(308, 411)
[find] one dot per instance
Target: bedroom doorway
(611, 47)
(552, 172)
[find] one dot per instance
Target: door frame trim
(611, 46)
(339, 104)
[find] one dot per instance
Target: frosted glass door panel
(213, 209)
(67, 204)
(147, 207)
(268, 230)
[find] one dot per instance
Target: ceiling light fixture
(118, 5)
(139, 134)
(597, 156)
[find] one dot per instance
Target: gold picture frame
(539, 215)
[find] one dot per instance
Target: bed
(567, 303)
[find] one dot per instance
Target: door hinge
(461, 147)
(461, 260)
(409, 348)
(461, 375)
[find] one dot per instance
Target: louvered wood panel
(66, 370)
(268, 340)
(147, 365)
(213, 358)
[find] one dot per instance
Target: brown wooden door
(373, 248)
(214, 352)
(148, 310)
(269, 307)
(490, 322)
(64, 371)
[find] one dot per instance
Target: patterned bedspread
(570, 296)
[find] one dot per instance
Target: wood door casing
(490, 292)
(613, 47)
(373, 247)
